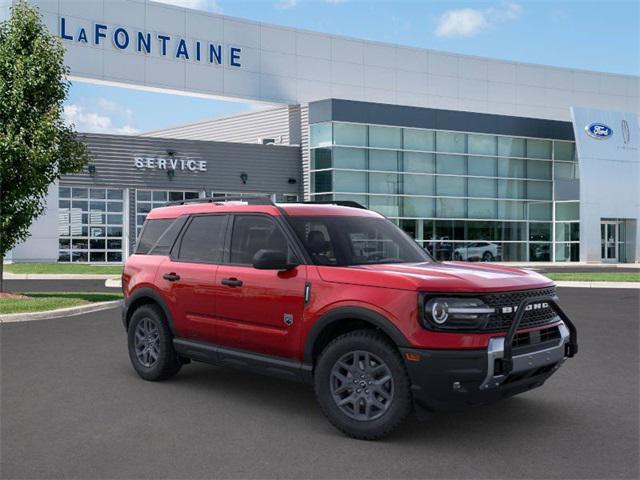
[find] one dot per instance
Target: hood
(437, 277)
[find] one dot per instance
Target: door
(609, 241)
(188, 278)
(259, 310)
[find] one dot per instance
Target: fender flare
(351, 313)
(148, 293)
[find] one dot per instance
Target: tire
(457, 257)
(487, 257)
(388, 403)
(150, 322)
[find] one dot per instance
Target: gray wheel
(361, 385)
(487, 257)
(147, 342)
(150, 344)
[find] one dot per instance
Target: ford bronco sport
(340, 297)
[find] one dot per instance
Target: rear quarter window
(152, 231)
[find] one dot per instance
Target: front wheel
(487, 257)
(150, 344)
(362, 385)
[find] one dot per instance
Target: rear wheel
(362, 385)
(487, 257)
(150, 344)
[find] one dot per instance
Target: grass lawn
(594, 277)
(54, 268)
(42, 301)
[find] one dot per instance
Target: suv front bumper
(453, 379)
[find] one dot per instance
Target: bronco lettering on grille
(531, 306)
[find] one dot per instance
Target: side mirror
(272, 260)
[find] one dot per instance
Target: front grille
(499, 321)
(526, 339)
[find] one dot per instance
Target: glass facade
(461, 195)
(90, 224)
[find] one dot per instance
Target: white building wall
(42, 244)
(609, 179)
(281, 124)
(292, 66)
(5, 6)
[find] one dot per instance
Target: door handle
(232, 282)
(172, 277)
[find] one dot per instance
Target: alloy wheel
(147, 342)
(362, 385)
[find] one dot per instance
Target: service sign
(171, 163)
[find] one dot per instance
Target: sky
(601, 35)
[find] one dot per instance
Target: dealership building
(476, 158)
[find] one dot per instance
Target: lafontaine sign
(160, 44)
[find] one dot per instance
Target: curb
(60, 276)
(61, 312)
(633, 285)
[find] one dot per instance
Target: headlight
(455, 313)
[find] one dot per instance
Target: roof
(292, 209)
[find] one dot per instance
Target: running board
(230, 357)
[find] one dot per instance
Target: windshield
(342, 241)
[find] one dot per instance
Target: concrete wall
(292, 66)
(609, 178)
(281, 124)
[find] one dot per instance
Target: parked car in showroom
(478, 251)
(339, 297)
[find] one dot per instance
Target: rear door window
(203, 240)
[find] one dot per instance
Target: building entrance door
(609, 232)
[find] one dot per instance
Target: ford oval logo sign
(599, 131)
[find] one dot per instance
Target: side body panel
(265, 313)
(191, 299)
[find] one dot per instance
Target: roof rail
(251, 200)
(341, 203)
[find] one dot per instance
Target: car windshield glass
(342, 241)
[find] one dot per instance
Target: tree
(36, 146)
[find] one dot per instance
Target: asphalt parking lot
(72, 407)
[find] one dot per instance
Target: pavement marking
(634, 285)
(57, 276)
(113, 283)
(61, 312)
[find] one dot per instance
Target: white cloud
(208, 5)
(104, 117)
(467, 22)
(505, 12)
(286, 4)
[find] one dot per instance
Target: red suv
(337, 296)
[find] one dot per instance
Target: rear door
(259, 310)
(188, 277)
